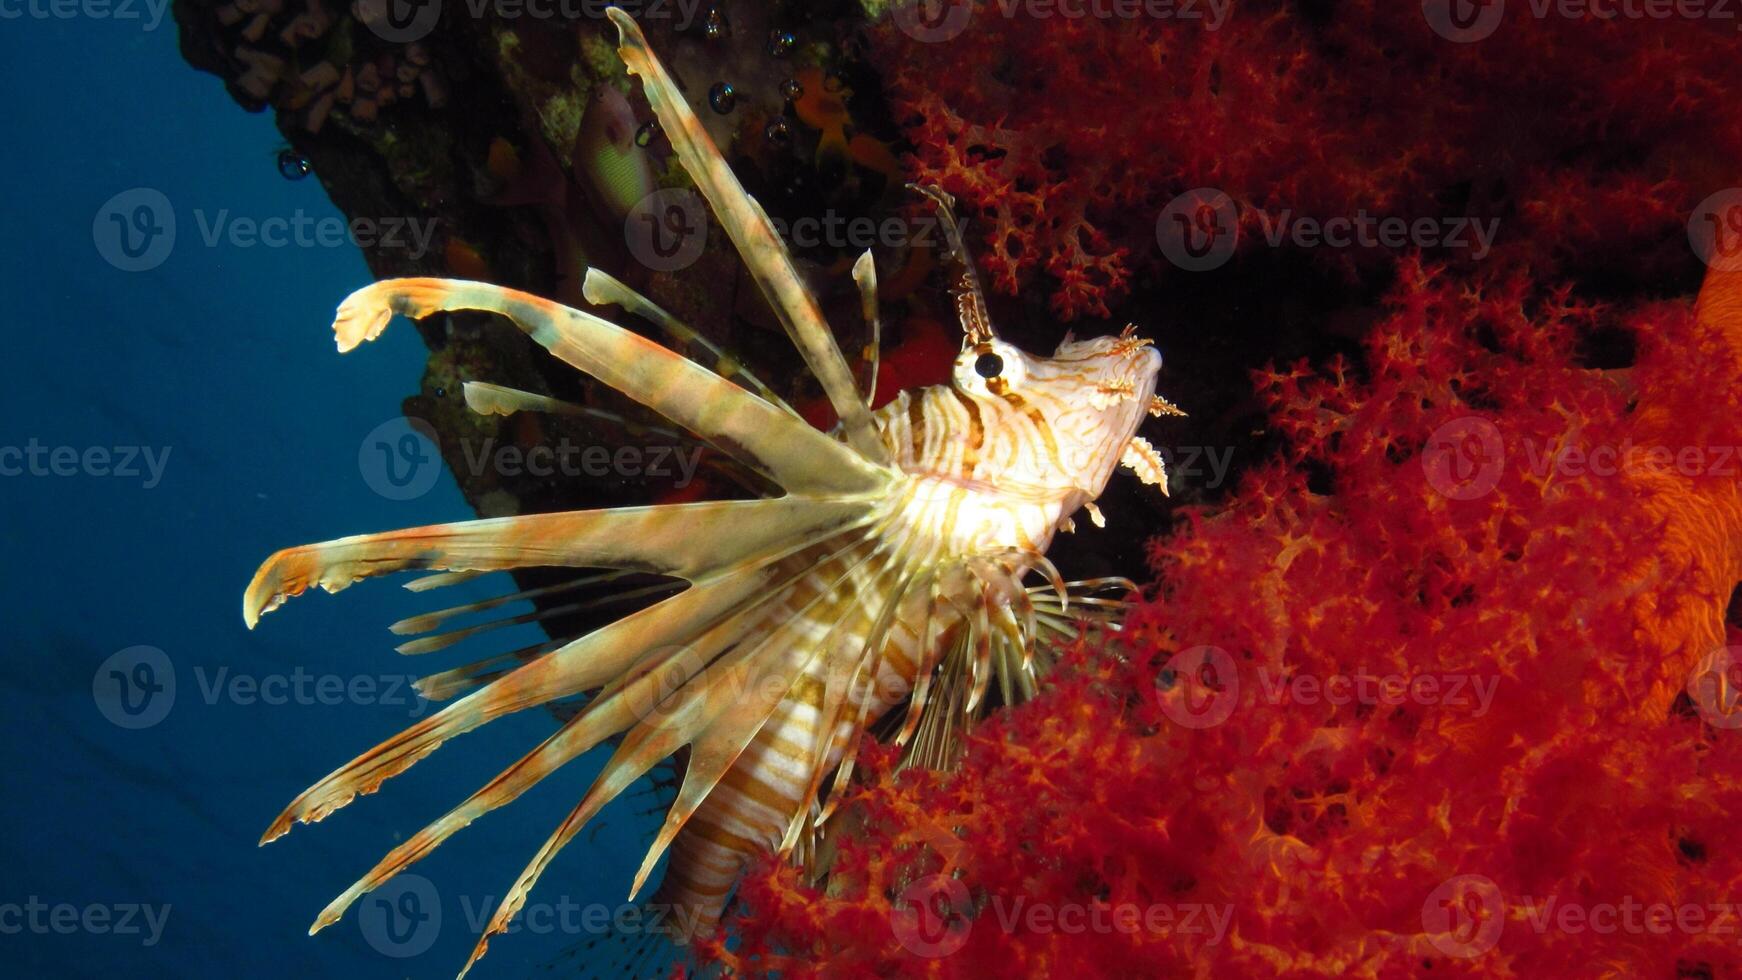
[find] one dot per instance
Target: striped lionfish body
(890, 570)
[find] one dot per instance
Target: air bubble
(293, 165)
(717, 27)
(722, 97)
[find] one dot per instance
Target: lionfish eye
(989, 365)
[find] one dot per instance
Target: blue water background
(222, 357)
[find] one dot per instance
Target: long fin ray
(441, 641)
(765, 256)
(717, 747)
(865, 277)
(681, 540)
(619, 706)
(603, 289)
(424, 622)
(581, 665)
(681, 715)
(756, 433)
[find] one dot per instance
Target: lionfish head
(1089, 397)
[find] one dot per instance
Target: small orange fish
(823, 107)
(464, 260)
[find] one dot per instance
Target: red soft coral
(1588, 140)
(1403, 723)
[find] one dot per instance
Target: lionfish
(890, 570)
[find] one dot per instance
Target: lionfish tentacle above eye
(781, 629)
(970, 298)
